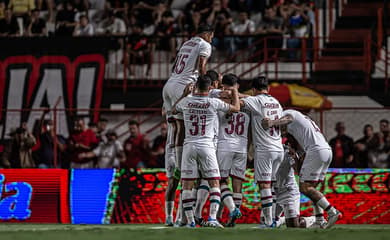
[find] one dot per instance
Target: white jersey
(233, 131)
(214, 93)
(264, 106)
(306, 132)
(285, 177)
(185, 68)
(200, 116)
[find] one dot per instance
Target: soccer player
(268, 143)
(232, 153)
(199, 154)
(315, 164)
(190, 62)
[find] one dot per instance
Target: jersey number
(198, 122)
(180, 63)
(236, 124)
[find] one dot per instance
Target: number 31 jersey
(264, 106)
(185, 67)
(233, 131)
(200, 116)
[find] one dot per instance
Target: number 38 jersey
(306, 132)
(185, 67)
(233, 131)
(264, 106)
(200, 116)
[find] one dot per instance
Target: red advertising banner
(34, 195)
(360, 194)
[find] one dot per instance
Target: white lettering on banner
(86, 84)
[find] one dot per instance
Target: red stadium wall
(361, 195)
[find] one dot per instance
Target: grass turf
(159, 232)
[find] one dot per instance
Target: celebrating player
(315, 164)
(189, 64)
(268, 144)
(199, 154)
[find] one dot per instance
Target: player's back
(200, 116)
(185, 67)
(264, 106)
(233, 131)
(306, 131)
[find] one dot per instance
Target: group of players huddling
(208, 123)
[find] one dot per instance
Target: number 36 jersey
(185, 67)
(233, 131)
(264, 106)
(200, 117)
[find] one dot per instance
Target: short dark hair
(213, 75)
(229, 79)
(203, 83)
(384, 121)
(204, 28)
(260, 83)
(133, 122)
(92, 124)
(83, 16)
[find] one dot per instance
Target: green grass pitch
(160, 232)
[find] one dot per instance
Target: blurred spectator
(146, 9)
(46, 141)
(158, 148)
(81, 5)
(21, 8)
(93, 127)
(97, 4)
(297, 28)
(109, 153)
(220, 16)
(81, 140)
(243, 27)
(112, 25)
(342, 147)
(46, 5)
(136, 147)
(190, 27)
(364, 146)
(65, 19)
(37, 25)
(272, 26)
(8, 25)
(83, 27)
(380, 157)
(166, 30)
(2, 8)
(101, 128)
(139, 49)
(18, 153)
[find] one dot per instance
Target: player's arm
(235, 105)
(268, 123)
(202, 65)
(87, 155)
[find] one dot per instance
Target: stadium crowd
(238, 23)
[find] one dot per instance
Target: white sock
(215, 200)
(318, 213)
(273, 202)
(169, 209)
(178, 156)
(278, 211)
(266, 205)
(193, 196)
(179, 212)
(187, 205)
(237, 198)
(201, 198)
(227, 197)
(324, 204)
(220, 210)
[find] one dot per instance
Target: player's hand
(266, 123)
(188, 89)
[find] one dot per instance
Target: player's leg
(210, 172)
(189, 173)
(313, 170)
(201, 198)
(277, 158)
(263, 172)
